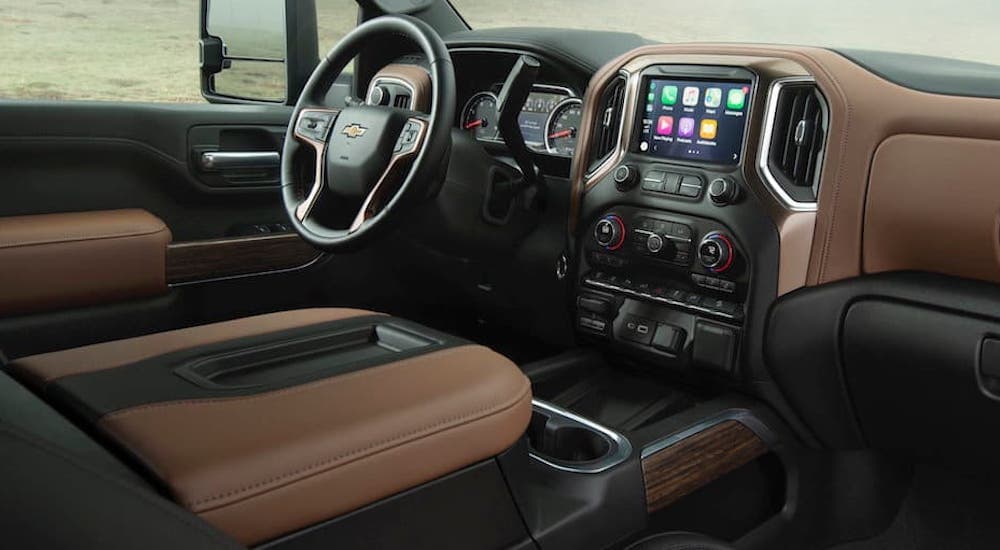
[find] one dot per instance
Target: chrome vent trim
(813, 163)
(609, 125)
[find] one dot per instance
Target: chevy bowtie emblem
(354, 130)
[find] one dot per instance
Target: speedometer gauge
(562, 127)
(479, 116)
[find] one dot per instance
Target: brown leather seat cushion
(262, 465)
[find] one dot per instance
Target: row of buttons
(407, 138)
(600, 258)
(668, 229)
(713, 283)
(315, 125)
(666, 295)
(660, 181)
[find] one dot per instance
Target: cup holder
(569, 442)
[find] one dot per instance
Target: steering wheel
(378, 161)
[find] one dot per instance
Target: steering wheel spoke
(409, 143)
(313, 127)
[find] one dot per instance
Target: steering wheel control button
(716, 252)
(625, 177)
(691, 187)
(723, 191)
(610, 232)
(407, 138)
(315, 125)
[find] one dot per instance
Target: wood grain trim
(697, 460)
(230, 257)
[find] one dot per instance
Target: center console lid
(266, 434)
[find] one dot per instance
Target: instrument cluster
(549, 120)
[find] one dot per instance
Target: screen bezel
(692, 73)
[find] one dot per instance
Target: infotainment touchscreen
(693, 119)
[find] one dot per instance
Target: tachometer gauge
(562, 127)
(480, 116)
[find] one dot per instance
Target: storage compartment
(566, 441)
(305, 356)
(918, 382)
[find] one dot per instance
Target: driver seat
(270, 424)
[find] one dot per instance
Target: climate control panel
(658, 281)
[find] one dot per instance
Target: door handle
(218, 160)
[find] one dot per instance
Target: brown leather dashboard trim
(57, 261)
(934, 205)
(261, 466)
(865, 110)
(239, 256)
(416, 77)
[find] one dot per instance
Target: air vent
(607, 128)
(401, 101)
(795, 135)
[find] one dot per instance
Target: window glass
(961, 29)
(126, 50)
(334, 19)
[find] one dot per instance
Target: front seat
(266, 425)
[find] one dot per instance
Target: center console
(666, 269)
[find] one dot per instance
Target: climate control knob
(610, 232)
(716, 252)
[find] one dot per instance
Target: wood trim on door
(212, 259)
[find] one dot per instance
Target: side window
(253, 50)
(119, 50)
(146, 50)
(334, 19)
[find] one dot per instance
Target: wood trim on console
(230, 257)
(697, 460)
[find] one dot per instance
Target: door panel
(76, 156)
(227, 221)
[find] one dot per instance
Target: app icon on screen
(669, 95)
(736, 99)
(665, 125)
(686, 128)
(713, 97)
(709, 128)
(691, 96)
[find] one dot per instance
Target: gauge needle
(475, 124)
(562, 134)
